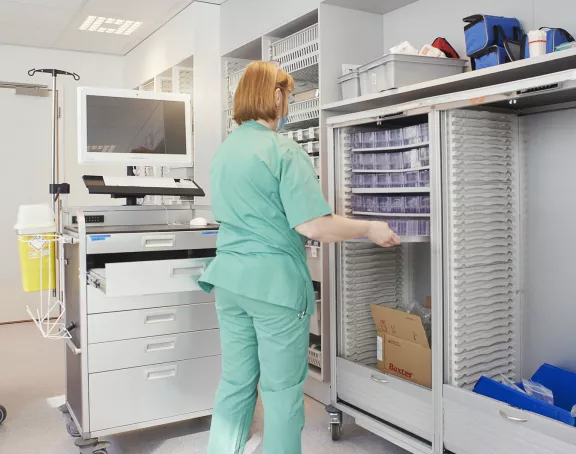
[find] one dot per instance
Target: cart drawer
(98, 302)
(152, 350)
(142, 394)
(149, 278)
(116, 326)
(479, 425)
(398, 402)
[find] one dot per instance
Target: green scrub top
(263, 185)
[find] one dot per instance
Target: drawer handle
(161, 374)
(160, 318)
(512, 418)
(191, 270)
(378, 379)
(160, 346)
(158, 241)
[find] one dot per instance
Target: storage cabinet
(492, 260)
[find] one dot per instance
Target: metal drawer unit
(144, 348)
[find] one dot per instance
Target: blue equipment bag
(491, 56)
(554, 38)
(484, 31)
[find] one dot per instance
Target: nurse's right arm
(308, 212)
(333, 228)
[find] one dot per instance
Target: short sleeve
(300, 191)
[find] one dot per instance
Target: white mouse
(199, 222)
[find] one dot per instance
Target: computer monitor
(134, 128)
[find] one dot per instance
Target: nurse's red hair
(254, 98)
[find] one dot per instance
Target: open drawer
(396, 401)
(474, 424)
(148, 278)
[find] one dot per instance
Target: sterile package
(396, 137)
(430, 51)
(412, 179)
(382, 161)
(384, 204)
(573, 412)
(413, 204)
(368, 140)
(424, 178)
(538, 391)
(396, 161)
(424, 228)
(372, 205)
(397, 204)
(404, 48)
(411, 159)
(396, 180)
(424, 132)
(424, 204)
(424, 156)
(357, 140)
(383, 180)
(381, 139)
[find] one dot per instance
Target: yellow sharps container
(36, 242)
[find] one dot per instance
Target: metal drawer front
(141, 394)
(154, 277)
(116, 326)
(152, 350)
(478, 425)
(401, 403)
(98, 302)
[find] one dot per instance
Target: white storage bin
(398, 70)
(350, 85)
(316, 320)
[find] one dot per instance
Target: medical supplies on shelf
(392, 138)
(395, 204)
(298, 54)
(311, 134)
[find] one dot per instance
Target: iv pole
(56, 188)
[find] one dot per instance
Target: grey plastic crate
(399, 70)
(350, 85)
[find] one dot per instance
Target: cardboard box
(403, 348)
(306, 95)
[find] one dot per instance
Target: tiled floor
(32, 371)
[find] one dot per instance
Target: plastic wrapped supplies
(538, 391)
(404, 48)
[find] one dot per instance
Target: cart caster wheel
(3, 414)
(72, 430)
(335, 431)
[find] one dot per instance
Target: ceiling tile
(24, 36)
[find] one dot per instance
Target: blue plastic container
(561, 382)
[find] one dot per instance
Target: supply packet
(538, 391)
(404, 48)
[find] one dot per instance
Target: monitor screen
(135, 126)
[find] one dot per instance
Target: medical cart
(479, 185)
(144, 348)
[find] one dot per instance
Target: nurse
(267, 199)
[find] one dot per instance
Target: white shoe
(254, 445)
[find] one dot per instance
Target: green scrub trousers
(260, 341)
(263, 187)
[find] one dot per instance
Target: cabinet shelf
(399, 148)
(392, 215)
(391, 171)
(390, 190)
(404, 239)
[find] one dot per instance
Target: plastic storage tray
(561, 382)
(314, 357)
(350, 85)
(304, 114)
(298, 54)
(398, 70)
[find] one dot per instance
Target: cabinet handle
(160, 346)
(512, 418)
(75, 350)
(152, 242)
(190, 270)
(160, 374)
(160, 318)
(378, 380)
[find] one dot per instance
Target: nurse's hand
(379, 233)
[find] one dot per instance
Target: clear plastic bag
(506, 381)
(425, 315)
(538, 391)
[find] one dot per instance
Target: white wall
(243, 21)
(94, 70)
(170, 45)
(423, 21)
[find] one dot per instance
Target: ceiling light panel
(109, 25)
